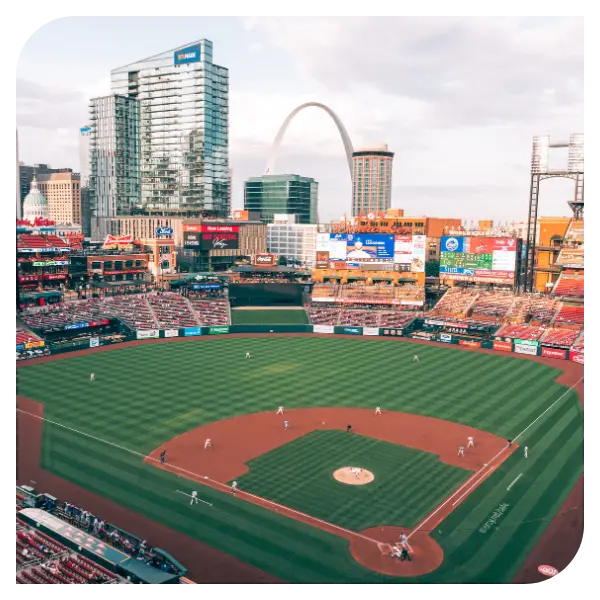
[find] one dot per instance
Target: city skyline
(461, 129)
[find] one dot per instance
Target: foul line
(474, 484)
(486, 465)
(515, 481)
(196, 497)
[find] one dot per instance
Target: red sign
(219, 228)
(554, 353)
(191, 228)
(264, 260)
(51, 276)
(548, 570)
(29, 278)
(576, 357)
(503, 346)
(469, 343)
(96, 323)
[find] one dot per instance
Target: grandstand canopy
(276, 269)
(113, 284)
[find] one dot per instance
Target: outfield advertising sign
(189, 331)
(503, 346)
(322, 328)
(527, 342)
(576, 357)
(444, 337)
(170, 333)
(146, 334)
(392, 332)
(469, 343)
(526, 349)
(218, 330)
(370, 330)
(94, 342)
(352, 330)
(554, 353)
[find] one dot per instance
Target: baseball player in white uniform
(234, 487)
(92, 377)
(461, 451)
(470, 442)
(378, 410)
(416, 358)
(194, 499)
(247, 354)
(286, 425)
(279, 410)
(525, 450)
(404, 540)
(207, 443)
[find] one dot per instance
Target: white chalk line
(201, 477)
(487, 464)
(515, 481)
(193, 497)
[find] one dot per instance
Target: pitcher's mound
(353, 476)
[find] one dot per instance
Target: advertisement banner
(322, 242)
(191, 239)
(264, 260)
(322, 261)
(146, 334)
(20, 347)
(77, 325)
(409, 252)
(444, 337)
(191, 54)
(469, 343)
(352, 330)
(218, 330)
(94, 342)
(170, 333)
(166, 231)
(38, 344)
(218, 241)
(503, 346)
(322, 328)
(574, 356)
(527, 342)
(188, 331)
(370, 330)
(51, 263)
(525, 349)
(392, 332)
(220, 228)
(422, 335)
(554, 353)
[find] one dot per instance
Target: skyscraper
(114, 156)
(282, 194)
(84, 154)
(183, 129)
(371, 180)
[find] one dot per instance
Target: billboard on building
(264, 260)
(478, 259)
(219, 241)
(409, 253)
(191, 54)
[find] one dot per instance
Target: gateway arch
(343, 133)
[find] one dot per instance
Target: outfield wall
(523, 347)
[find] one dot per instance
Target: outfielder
(461, 451)
(416, 358)
(92, 377)
(470, 443)
(279, 410)
(162, 457)
(234, 487)
(194, 499)
(286, 425)
(247, 354)
(525, 450)
(207, 443)
(378, 410)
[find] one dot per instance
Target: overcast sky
(457, 99)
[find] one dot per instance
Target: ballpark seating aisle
(570, 314)
(560, 337)
(211, 312)
(520, 332)
(172, 310)
(24, 336)
(456, 302)
(322, 315)
(396, 318)
(569, 284)
(578, 345)
(365, 318)
(493, 305)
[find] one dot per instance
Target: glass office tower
(282, 194)
(184, 129)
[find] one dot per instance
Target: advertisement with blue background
(361, 246)
(452, 244)
(191, 54)
(188, 331)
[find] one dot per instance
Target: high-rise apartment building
(282, 194)
(371, 180)
(63, 193)
(114, 156)
(84, 154)
(183, 102)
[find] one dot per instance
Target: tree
(282, 260)
(432, 268)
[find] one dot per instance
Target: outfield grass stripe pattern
(145, 395)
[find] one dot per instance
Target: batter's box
(385, 549)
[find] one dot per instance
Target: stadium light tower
(540, 169)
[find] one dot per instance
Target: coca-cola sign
(264, 259)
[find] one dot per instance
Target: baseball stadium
(269, 424)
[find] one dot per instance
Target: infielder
(234, 487)
(416, 358)
(470, 443)
(378, 410)
(279, 410)
(286, 425)
(461, 451)
(162, 457)
(247, 354)
(194, 499)
(92, 377)
(525, 450)
(207, 443)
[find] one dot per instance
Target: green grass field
(299, 475)
(145, 395)
(281, 316)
